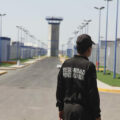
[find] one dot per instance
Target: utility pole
(99, 31)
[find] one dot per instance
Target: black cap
(84, 41)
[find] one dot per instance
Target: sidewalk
(107, 88)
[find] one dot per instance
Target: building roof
(5, 38)
(54, 18)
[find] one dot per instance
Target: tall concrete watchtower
(53, 41)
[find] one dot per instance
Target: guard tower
(53, 40)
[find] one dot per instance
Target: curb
(15, 68)
(19, 67)
(7, 68)
(108, 90)
(3, 72)
(28, 64)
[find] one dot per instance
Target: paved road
(29, 94)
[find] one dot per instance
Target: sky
(31, 15)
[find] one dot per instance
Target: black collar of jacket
(79, 56)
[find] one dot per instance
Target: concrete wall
(102, 53)
(23, 52)
(93, 56)
(18, 50)
(110, 56)
(14, 50)
(4, 49)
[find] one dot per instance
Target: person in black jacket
(77, 93)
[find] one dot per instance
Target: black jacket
(77, 85)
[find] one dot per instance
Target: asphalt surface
(29, 94)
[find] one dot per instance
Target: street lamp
(76, 32)
(71, 39)
(21, 28)
(75, 39)
(82, 29)
(1, 16)
(25, 35)
(31, 36)
(84, 26)
(87, 24)
(115, 54)
(39, 41)
(79, 28)
(106, 36)
(18, 46)
(62, 50)
(21, 40)
(36, 49)
(98, 56)
(44, 48)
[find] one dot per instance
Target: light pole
(87, 25)
(25, 35)
(32, 45)
(75, 39)
(18, 46)
(27, 32)
(36, 47)
(79, 28)
(82, 29)
(62, 49)
(75, 33)
(21, 41)
(106, 36)
(71, 39)
(39, 47)
(116, 33)
(99, 31)
(84, 26)
(21, 37)
(1, 16)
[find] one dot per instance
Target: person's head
(84, 45)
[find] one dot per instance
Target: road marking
(108, 90)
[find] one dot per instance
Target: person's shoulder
(91, 65)
(67, 61)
